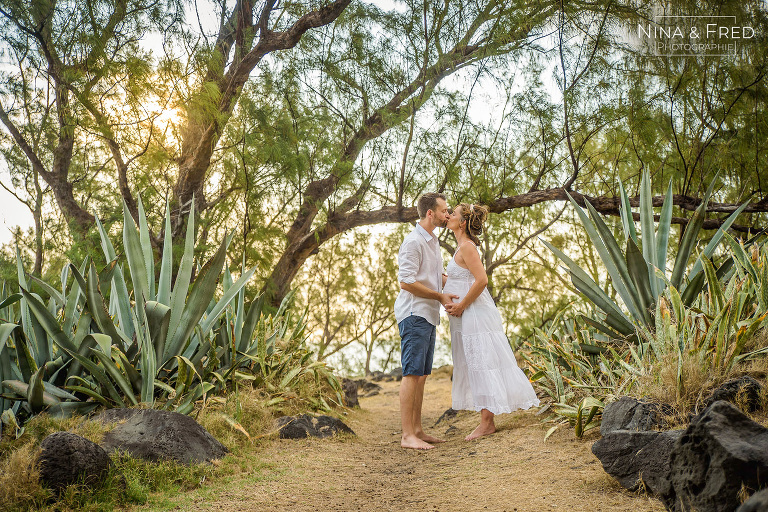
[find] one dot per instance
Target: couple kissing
(486, 377)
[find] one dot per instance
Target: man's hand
(447, 298)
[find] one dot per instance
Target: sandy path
(512, 470)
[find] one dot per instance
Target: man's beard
(441, 223)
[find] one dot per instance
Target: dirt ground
(512, 470)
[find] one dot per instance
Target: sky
(12, 212)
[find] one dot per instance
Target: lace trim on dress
(499, 410)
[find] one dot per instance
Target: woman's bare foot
(480, 431)
(430, 439)
(415, 443)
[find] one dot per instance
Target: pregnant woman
(486, 377)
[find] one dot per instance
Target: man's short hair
(428, 202)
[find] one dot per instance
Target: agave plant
(578, 381)
(120, 350)
(639, 273)
(719, 325)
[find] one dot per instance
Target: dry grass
(697, 384)
(661, 384)
(238, 417)
(19, 485)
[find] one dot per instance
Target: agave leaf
(78, 274)
(130, 371)
(289, 377)
(715, 241)
(715, 287)
(614, 316)
(83, 329)
(181, 287)
(200, 390)
(240, 310)
(289, 297)
(158, 320)
(50, 290)
(6, 329)
(662, 236)
(199, 297)
(47, 321)
(249, 325)
(104, 342)
(18, 387)
(6, 372)
(741, 256)
(119, 288)
(185, 376)
(648, 228)
(70, 307)
(638, 270)
(26, 316)
(42, 399)
(58, 392)
(166, 267)
(11, 299)
(627, 219)
(146, 249)
(136, 263)
(615, 263)
(99, 311)
(601, 327)
(69, 409)
(149, 355)
(95, 371)
(233, 290)
(99, 399)
(25, 360)
(689, 238)
(36, 392)
(42, 347)
(117, 376)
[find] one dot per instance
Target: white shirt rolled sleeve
(419, 260)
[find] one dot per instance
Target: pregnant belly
(456, 287)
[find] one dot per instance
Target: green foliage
(687, 347)
(577, 375)
(160, 344)
(639, 278)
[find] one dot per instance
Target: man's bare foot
(480, 431)
(430, 439)
(414, 442)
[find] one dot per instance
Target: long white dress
(485, 372)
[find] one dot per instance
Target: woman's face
(455, 220)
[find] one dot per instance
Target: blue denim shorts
(417, 345)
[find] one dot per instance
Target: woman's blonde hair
(475, 216)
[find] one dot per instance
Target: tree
(90, 71)
(374, 297)
(328, 282)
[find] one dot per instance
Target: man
(417, 310)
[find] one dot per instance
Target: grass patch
(238, 418)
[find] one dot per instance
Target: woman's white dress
(485, 372)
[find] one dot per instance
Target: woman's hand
(455, 308)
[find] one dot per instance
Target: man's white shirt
(419, 260)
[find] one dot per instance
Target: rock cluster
(67, 458)
(159, 435)
(304, 425)
(704, 467)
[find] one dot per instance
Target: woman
(486, 377)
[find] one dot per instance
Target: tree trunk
(205, 121)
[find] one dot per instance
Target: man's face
(441, 213)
